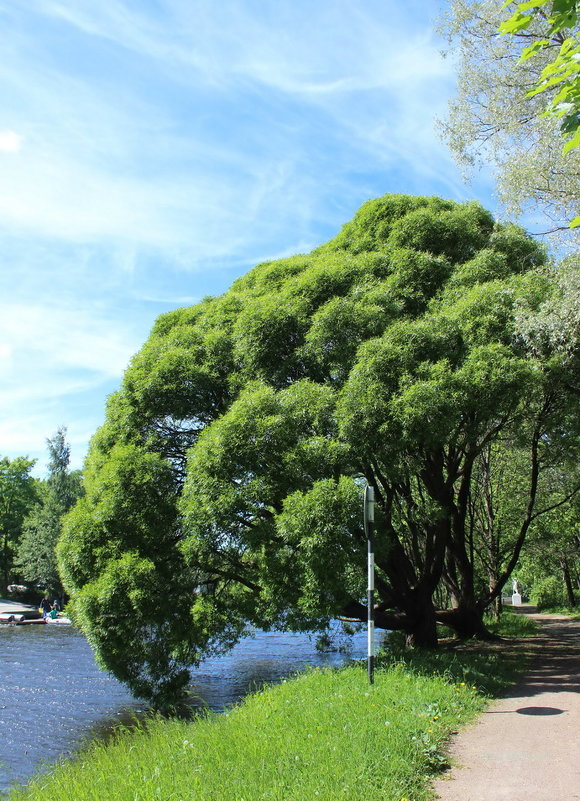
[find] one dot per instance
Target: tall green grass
(322, 736)
(513, 624)
(572, 612)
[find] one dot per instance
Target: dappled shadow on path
(555, 665)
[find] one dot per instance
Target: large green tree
(17, 496)
(225, 486)
(36, 555)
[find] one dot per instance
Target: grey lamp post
(369, 519)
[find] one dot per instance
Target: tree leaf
(572, 143)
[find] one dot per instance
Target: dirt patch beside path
(526, 745)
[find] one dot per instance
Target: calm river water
(53, 696)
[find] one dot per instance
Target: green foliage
(558, 21)
(555, 323)
(118, 559)
(513, 624)
(317, 566)
(549, 568)
(547, 592)
(517, 95)
(227, 478)
(36, 557)
(18, 494)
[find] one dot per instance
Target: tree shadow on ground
(513, 667)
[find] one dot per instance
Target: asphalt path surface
(526, 745)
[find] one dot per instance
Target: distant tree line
(31, 515)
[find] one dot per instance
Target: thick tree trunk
(421, 624)
(467, 621)
(423, 634)
(568, 581)
(416, 619)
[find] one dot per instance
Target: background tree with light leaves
(557, 25)
(498, 114)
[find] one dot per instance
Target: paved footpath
(526, 746)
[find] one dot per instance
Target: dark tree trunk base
(422, 635)
(466, 623)
(419, 626)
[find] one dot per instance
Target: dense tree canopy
(225, 487)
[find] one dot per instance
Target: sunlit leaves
(505, 83)
(320, 551)
(228, 473)
(560, 78)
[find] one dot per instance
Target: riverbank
(322, 735)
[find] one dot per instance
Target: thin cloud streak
(96, 181)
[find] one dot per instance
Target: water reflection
(53, 696)
(261, 659)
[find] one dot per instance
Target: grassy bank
(323, 735)
(570, 611)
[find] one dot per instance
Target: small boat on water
(60, 620)
(14, 613)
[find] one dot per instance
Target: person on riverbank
(45, 606)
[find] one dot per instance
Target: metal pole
(369, 519)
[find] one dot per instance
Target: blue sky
(151, 151)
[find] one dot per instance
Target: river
(53, 696)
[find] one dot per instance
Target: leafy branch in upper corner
(497, 117)
(556, 23)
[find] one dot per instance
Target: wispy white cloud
(10, 142)
(25, 433)
(153, 151)
(54, 353)
(220, 111)
(170, 300)
(65, 338)
(329, 47)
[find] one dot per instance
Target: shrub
(547, 592)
